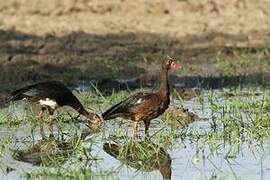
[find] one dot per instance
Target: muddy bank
(129, 60)
(82, 56)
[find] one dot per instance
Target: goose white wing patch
(139, 101)
(48, 102)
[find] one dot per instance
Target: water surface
(181, 157)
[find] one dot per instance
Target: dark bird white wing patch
(48, 102)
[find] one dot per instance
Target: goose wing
(126, 105)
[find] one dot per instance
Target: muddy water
(183, 159)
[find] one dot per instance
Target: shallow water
(183, 158)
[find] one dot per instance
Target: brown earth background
(103, 40)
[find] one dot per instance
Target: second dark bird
(52, 95)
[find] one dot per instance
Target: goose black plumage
(145, 106)
(52, 95)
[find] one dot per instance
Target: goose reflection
(51, 151)
(143, 156)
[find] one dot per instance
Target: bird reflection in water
(51, 151)
(144, 156)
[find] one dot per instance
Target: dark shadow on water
(143, 156)
(183, 82)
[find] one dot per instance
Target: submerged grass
(236, 118)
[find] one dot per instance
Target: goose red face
(175, 66)
(170, 63)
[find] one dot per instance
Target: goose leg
(146, 124)
(41, 119)
(135, 129)
(51, 111)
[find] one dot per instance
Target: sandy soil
(176, 18)
(73, 40)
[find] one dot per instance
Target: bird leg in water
(146, 124)
(135, 129)
(41, 118)
(51, 111)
